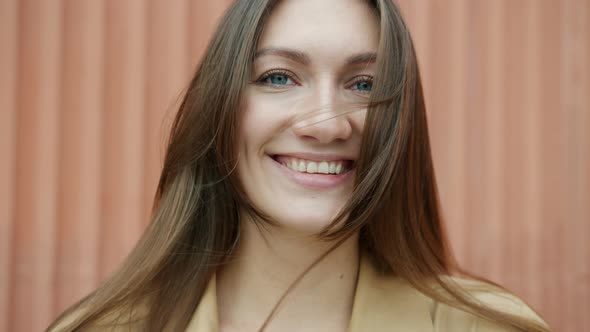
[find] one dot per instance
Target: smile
(313, 166)
(315, 172)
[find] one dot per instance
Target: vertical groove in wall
(37, 158)
(581, 192)
(493, 112)
(47, 167)
(166, 78)
(513, 122)
(439, 60)
(569, 103)
(91, 125)
(554, 161)
(79, 198)
(575, 86)
(89, 88)
(124, 124)
(456, 113)
(8, 83)
(474, 130)
(532, 166)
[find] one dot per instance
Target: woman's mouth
(314, 166)
(315, 174)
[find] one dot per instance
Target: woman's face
(301, 133)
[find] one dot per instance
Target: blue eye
(277, 79)
(363, 86)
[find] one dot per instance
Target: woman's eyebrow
(284, 52)
(303, 58)
(362, 58)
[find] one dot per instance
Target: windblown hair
(195, 222)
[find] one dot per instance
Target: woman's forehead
(322, 29)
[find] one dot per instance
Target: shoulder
(448, 318)
(385, 302)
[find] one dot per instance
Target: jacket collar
(381, 303)
(387, 303)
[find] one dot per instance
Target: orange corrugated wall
(88, 89)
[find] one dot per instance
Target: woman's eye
(364, 86)
(277, 79)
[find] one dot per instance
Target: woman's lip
(316, 180)
(316, 156)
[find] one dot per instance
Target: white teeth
(302, 167)
(312, 167)
(323, 168)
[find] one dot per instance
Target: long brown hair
(195, 221)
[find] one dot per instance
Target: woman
(298, 192)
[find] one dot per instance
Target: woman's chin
(306, 225)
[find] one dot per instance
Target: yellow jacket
(384, 303)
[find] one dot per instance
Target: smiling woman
(298, 192)
(293, 127)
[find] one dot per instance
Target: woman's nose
(326, 124)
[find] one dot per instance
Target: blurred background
(88, 90)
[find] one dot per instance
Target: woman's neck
(262, 269)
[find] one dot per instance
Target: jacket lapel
(386, 303)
